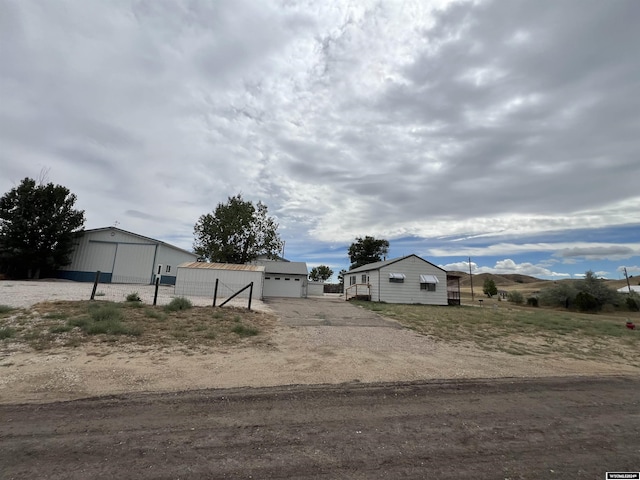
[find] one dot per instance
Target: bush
(245, 331)
(108, 312)
(516, 297)
(133, 297)
(6, 333)
(587, 302)
(532, 301)
(632, 304)
(560, 294)
(179, 303)
(5, 309)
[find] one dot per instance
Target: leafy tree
(561, 294)
(367, 250)
(320, 273)
(489, 288)
(341, 275)
(597, 288)
(37, 227)
(237, 232)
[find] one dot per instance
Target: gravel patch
(25, 294)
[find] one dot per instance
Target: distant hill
(500, 280)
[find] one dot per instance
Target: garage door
(282, 286)
(134, 263)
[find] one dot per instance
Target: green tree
(37, 227)
(237, 232)
(489, 288)
(341, 275)
(367, 250)
(560, 294)
(320, 273)
(596, 288)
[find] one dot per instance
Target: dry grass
(521, 330)
(70, 324)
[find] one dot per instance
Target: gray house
(123, 257)
(408, 279)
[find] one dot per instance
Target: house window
(428, 282)
(267, 278)
(297, 279)
(168, 268)
(277, 278)
(352, 280)
(397, 277)
(364, 278)
(287, 279)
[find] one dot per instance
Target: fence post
(155, 294)
(215, 293)
(250, 295)
(95, 285)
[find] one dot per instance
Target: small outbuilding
(123, 257)
(408, 279)
(199, 279)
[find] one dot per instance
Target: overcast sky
(505, 131)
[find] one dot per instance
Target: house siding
(412, 266)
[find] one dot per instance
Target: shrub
(6, 333)
(133, 297)
(5, 309)
(179, 303)
(587, 302)
(516, 297)
(560, 294)
(245, 331)
(632, 304)
(108, 312)
(532, 301)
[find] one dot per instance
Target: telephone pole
(627, 277)
(471, 278)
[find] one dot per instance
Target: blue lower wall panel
(78, 276)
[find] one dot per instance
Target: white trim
(397, 276)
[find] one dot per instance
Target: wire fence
(120, 289)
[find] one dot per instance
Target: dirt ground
(317, 341)
(559, 428)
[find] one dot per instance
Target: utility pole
(627, 277)
(471, 278)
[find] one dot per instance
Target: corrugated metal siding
(173, 258)
(409, 291)
(200, 281)
(134, 263)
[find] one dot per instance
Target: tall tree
(37, 226)
(320, 273)
(489, 288)
(367, 250)
(237, 232)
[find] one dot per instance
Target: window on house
(297, 279)
(428, 282)
(352, 280)
(397, 277)
(287, 279)
(168, 269)
(267, 278)
(277, 278)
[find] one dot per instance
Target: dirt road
(507, 429)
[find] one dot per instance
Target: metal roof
(153, 240)
(384, 263)
(222, 266)
(285, 268)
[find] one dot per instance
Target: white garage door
(282, 286)
(134, 263)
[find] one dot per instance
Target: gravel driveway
(328, 311)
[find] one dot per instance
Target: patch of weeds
(134, 304)
(100, 294)
(149, 312)
(56, 316)
(179, 303)
(61, 329)
(5, 309)
(133, 297)
(112, 327)
(179, 334)
(218, 315)
(243, 331)
(73, 342)
(107, 312)
(210, 335)
(236, 318)
(7, 332)
(81, 322)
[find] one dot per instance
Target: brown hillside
(500, 280)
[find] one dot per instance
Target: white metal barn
(199, 279)
(123, 257)
(408, 279)
(285, 279)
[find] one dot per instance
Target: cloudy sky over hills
(504, 131)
